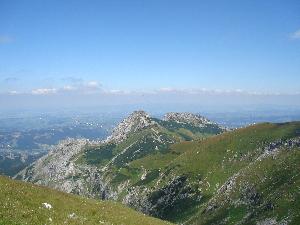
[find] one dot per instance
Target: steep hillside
(23, 203)
(266, 191)
(262, 155)
(178, 169)
(112, 169)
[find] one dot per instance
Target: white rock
(47, 205)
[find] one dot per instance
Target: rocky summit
(188, 118)
(134, 122)
(184, 169)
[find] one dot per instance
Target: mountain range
(183, 168)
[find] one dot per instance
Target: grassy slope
(226, 153)
(143, 147)
(21, 203)
(210, 162)
(273, 187)
(207, 163)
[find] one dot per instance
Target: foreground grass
(22, 203)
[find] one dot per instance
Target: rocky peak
(185, 117)
(134, 122)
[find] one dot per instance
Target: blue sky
(123, 46)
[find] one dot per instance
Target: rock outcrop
(187, 118)
(136, 121)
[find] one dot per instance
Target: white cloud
(195, 91)
(69, 88)
(13, 93)
(119, 92)
(296, 35)
(92, 84)
(88, 87)
(217, 92)
(167, 89)
(94, 87)
(115, 91)
(44, 91)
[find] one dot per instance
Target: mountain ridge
(165, 168)
(185, 117)
(134, 122)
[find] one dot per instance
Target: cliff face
(58, 170)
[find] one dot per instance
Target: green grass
(210, 162)
(226, 153)
(151, 176)
(21, 203)
(99, 155)
(145, 142)
(276, 182)
(149, 148)
(188, 130)
(205, 163)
